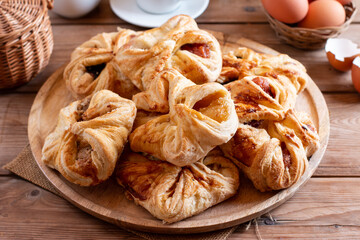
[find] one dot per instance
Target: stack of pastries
(189, 117)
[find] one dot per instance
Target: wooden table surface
(327, 207)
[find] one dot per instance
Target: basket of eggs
(307, 24)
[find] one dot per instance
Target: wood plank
(29, 212)
(14, 111)
(244, 11)
(325, 208)
(327, 78)
(323, 201)
(344, 137)
(270, 232)
(342, 155)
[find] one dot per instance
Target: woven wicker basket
(305, 38)
(26, 40)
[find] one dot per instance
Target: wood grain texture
(342, 158)
(316, 211)
(46, 216)
(246, 11)
(14, 111)
(270, 232)
(326, 78)
(240, 11)
(107, 200)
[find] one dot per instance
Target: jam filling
(95, 70)
(286, 155)
(200, 49)
(81, 108)
(308, 126)
(264, 84)
(84, 155)
(255, 123)
(85, 166)
(213, 106)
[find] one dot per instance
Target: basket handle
(50, 4)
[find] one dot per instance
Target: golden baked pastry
(172, 193)
(239, 63)
(271, 144)
(245, 62)
(143, 117)
(178, 44)
(155, 98)
(89, 137)
(273, 154)
(258, 98)
(92, 67)
(301, 125)
(200, 118)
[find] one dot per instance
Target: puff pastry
(245, 62)
(92, 67)
(200, 118)
(273, 154)
(178, 44)
(300, 124)
(258, 98)
(143, 117)
(172, 193)
(89, 137)
(155, 98)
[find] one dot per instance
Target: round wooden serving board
(107, 200)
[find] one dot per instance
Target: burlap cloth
(24, 165)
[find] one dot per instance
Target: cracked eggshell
(341, 53)
(355, 73)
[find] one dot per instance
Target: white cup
(158, 6)
(74, 8)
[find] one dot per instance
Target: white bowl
(74, 8)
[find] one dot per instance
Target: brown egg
(341, 53)
(324, 13)
(287, 11)
(355, 73)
